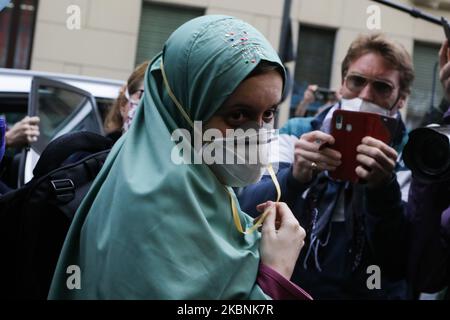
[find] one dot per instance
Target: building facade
(108, 38)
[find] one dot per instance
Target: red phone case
(349, 128)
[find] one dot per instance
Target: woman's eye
(237, 117)
(269, 115)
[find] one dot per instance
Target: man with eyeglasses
(340, 259)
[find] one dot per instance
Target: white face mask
(358, 104)
(238, 163)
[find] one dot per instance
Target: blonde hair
(113, 120)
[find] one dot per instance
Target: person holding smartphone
(342, 219)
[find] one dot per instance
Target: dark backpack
(36, 217)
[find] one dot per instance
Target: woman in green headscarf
(151, 228)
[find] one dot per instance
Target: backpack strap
(71, 183)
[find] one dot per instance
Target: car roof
(19, 81)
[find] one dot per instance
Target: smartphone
(446, 26)
(348, 129)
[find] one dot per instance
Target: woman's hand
(282, 238)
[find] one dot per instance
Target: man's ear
(402, 101)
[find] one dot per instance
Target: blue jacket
(341, 261)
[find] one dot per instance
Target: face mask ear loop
(395, 103)
(259, 221)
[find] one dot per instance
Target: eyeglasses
(357, 83)
(139, 93)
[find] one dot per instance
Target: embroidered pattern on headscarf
(240, 39)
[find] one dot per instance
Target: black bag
(35, 218)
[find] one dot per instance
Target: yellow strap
(275, 182)
(258, 222)
(174, 99)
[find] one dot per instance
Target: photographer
(312, 94)
(344, 219)
(429, 213)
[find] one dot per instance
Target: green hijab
(151, 229)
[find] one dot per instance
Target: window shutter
(157, 23)
(314, 60)
(425, 60)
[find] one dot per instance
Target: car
(64, 103)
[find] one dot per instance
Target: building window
(158, 21)
(17, 22)
(314, 62)
(427, 90)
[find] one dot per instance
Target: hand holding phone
(348, 129)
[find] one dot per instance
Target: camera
(324, 95)
(427, 153)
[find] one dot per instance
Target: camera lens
(427, 153)
(434, 154)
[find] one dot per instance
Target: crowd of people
(151, 228)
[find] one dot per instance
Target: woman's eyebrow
(236, 106)
(247, 106)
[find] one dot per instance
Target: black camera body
(427, 153)
(324, 95)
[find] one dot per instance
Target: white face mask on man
(239, 159)
(358, 104)
(355, 104)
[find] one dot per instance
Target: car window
(62, 109)
(104, 105)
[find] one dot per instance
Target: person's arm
(23, 133)
(282, 238)
(387, 227)
(444, 74)
(308, 98)
(429, 253)
(278, 287)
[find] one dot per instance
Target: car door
(62, 108)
